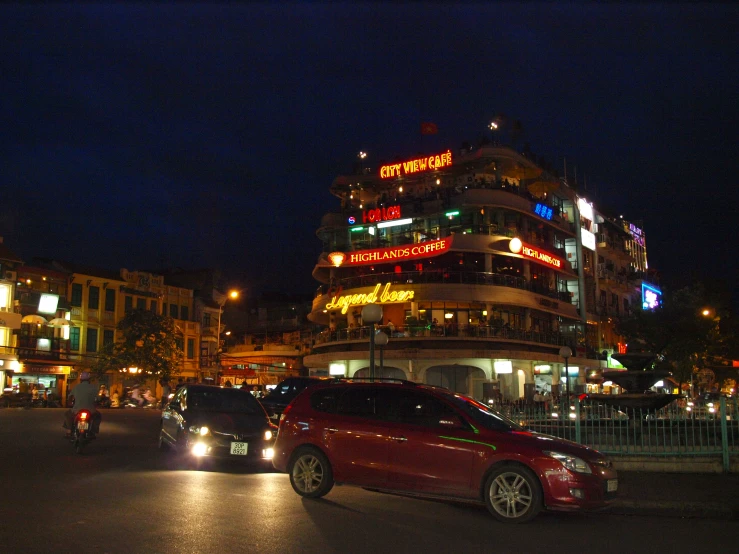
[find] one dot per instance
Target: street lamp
(372, 313)
(221, 300)
(566, 352)
(381, 340)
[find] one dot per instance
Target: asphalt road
(124, 496)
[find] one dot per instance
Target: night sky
(158, 135)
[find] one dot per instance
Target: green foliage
(682, 337)
(147, 341)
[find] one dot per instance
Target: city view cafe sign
(417, 165)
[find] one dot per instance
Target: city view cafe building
(460, 311)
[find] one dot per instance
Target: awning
(34, 319)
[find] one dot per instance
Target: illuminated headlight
(199, 449)
(689, 409)
(202, 431)
(268, 435)
(573, 415)
(691, 404)
(710, 404)
(570, 462)
(555, 414)
(712, 410)
(269, 453)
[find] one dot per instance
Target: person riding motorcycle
(84, 395)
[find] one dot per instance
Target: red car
(428, 441)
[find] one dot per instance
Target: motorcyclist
(84, 395)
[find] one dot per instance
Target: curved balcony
(467, 332)
(447, 277)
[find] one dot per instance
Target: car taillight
(287, 409)
(83, 415)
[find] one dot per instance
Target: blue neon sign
(651, 297)
(544, 211)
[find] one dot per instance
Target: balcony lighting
(451, 214)
(355, 229)
(385, 224)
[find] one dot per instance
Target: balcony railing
(28, 348)
(484, 332)
(449, 277)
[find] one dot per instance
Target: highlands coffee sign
(427, 163)
(527, 251)
(393, 254)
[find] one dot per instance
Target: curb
(699, 510)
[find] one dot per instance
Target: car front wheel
(310, 473)
(513, 494)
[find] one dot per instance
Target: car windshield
(223, 400)
(482, 414)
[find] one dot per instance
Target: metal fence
(679, 429)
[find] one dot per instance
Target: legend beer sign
(437, 161)
(386, 296)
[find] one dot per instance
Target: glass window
(74, 339)
(223, 400)
(164, 308)
(412, 407)
(173, 311)
(76, 299)
(325, 400)
(108, 336)
(128, 303)
(141, 303)
(190, 349)
(358, 401)
(153, 306)
(184, 313)
(93, 300)
(110, 300)
(92, 340)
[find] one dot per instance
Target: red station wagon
(427, 441)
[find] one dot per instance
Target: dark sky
(144, 136)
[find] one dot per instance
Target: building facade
(484, 265)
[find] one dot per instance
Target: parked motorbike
(82, 430)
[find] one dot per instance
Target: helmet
(85, 376)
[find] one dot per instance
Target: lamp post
(381, 340)
(566, 352)
(221, 300)
(372, 313)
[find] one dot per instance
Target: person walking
(166, 390)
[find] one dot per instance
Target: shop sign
(517, 246)
(381, 214)
(387, 296)
(396, 253)
(45, 369)
(636, 234)
(417, 165)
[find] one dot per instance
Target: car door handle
(398, 439)
(332, 430)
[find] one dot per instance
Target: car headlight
(202, 431)
(268, 435)
(573, 463)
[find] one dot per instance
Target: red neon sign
(406, 252)
(436, 161)
(381, 214)
(542, 257)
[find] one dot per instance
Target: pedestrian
(228, 384)
(166, 390)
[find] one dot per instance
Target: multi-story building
(485, 266)
(10, 321)
(90, 302)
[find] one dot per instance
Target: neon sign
(527, 251)
(381, 214)
(543, 211)
(380, 255)
(385, 297)
(651, 297)
(636, 234)
(417, 165)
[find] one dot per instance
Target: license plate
(83, 425)
(239, 448)
(612, 485)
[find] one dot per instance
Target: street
(123, 495)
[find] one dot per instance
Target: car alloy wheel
(310, 473)
(513, 494)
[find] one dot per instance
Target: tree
(148, 342)
(684, 340)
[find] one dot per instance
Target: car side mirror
(451, 421)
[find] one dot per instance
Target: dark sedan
(215, 422)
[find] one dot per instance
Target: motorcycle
(81, 430)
